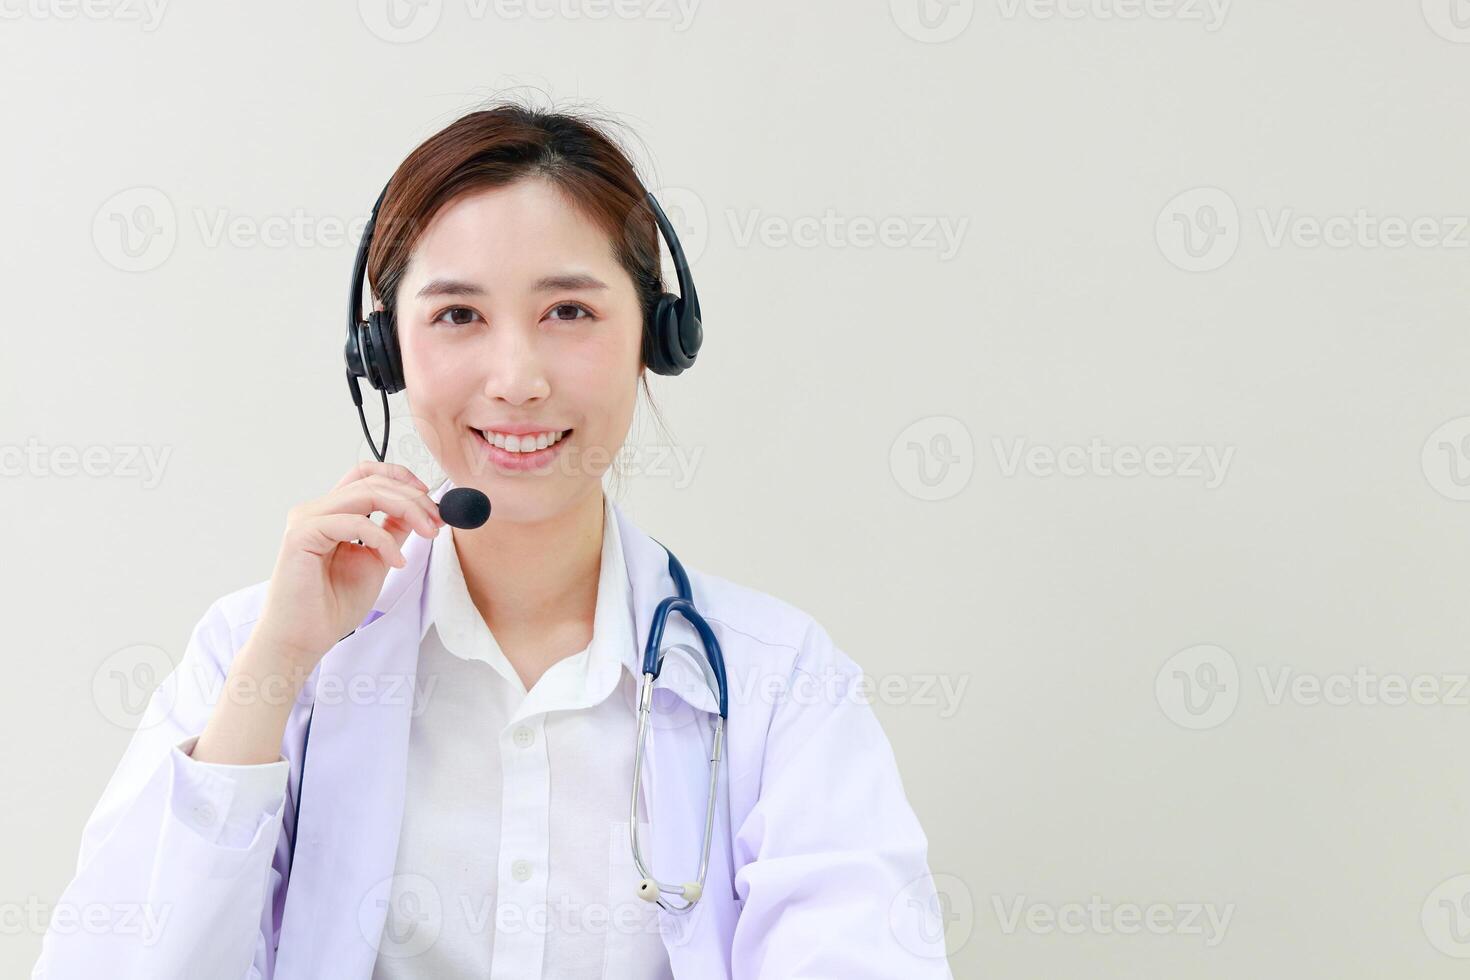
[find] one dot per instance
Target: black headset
(372, 341)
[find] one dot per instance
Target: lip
(505, 460)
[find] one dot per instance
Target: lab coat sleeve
(832, 862)
(175, 875)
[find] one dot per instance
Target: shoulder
(767, 628)
(226, 623)
(242, 606)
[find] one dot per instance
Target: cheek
(434, 373)
(602, 378)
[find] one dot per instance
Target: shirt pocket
(635, 947)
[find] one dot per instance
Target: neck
(535, 575)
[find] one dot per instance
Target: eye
(459, 316)
(571, 306)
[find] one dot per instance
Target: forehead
(512, 233)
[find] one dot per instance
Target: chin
(519, 500)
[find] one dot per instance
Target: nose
(517, 372)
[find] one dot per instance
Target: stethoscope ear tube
(653, 653)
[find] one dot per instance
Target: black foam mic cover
(464, 507)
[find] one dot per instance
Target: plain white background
(1094, 370)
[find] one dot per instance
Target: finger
(379, 494)
(399, 529)
(429, 506)
(394, 471)
(322, 534)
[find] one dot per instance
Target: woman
(468, 695)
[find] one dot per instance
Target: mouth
(519, 453)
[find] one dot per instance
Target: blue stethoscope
(650, 889)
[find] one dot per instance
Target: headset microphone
(464, 507)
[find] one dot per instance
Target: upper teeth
(522, 444)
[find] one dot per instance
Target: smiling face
(520, 335)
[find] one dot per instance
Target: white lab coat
(817, 867)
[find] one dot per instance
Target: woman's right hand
(323, 584)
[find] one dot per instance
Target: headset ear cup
(367, 352)
(353, 352)
(691, 336)
(386, 370)
(672, 357)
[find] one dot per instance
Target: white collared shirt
(513, 859)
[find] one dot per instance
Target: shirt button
(524, 737)
(521, 870)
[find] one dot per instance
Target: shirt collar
(581, 680)
(404, 594)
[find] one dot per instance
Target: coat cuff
(226, 804)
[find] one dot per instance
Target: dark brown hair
(497, 146)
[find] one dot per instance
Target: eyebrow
(458, 287)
